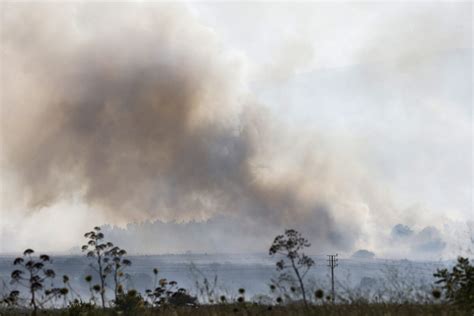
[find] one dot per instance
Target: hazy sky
(362, 110)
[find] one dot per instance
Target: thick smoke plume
(139, 112)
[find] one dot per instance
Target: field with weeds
(254, 309)
(36, 288)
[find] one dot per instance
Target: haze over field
(212, 127)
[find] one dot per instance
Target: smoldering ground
(138, 110)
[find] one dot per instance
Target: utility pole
(332, 263)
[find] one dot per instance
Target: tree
(116, 265)
(291, 245)
(32, 272)
(458, 284)
(99, 250)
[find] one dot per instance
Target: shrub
(181, 298)
(130, 301)
(458, 284)
(169, 293)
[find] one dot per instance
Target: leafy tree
(290, 246)
(98, 249)
(458, 284)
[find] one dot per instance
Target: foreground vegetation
(36, 289)
(255, 309)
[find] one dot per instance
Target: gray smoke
(137, 110)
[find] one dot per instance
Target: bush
(129, 302)
(458, 284)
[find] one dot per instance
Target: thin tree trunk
(116, 283)
(33, 301)
(32, 291)
(102, 281)
(303, 292)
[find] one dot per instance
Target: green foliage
(458, 284)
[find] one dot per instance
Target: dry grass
(253, 309)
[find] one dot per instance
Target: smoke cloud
(139, 112)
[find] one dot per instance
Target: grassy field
(253, 309)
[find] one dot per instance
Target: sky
(340, 119)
